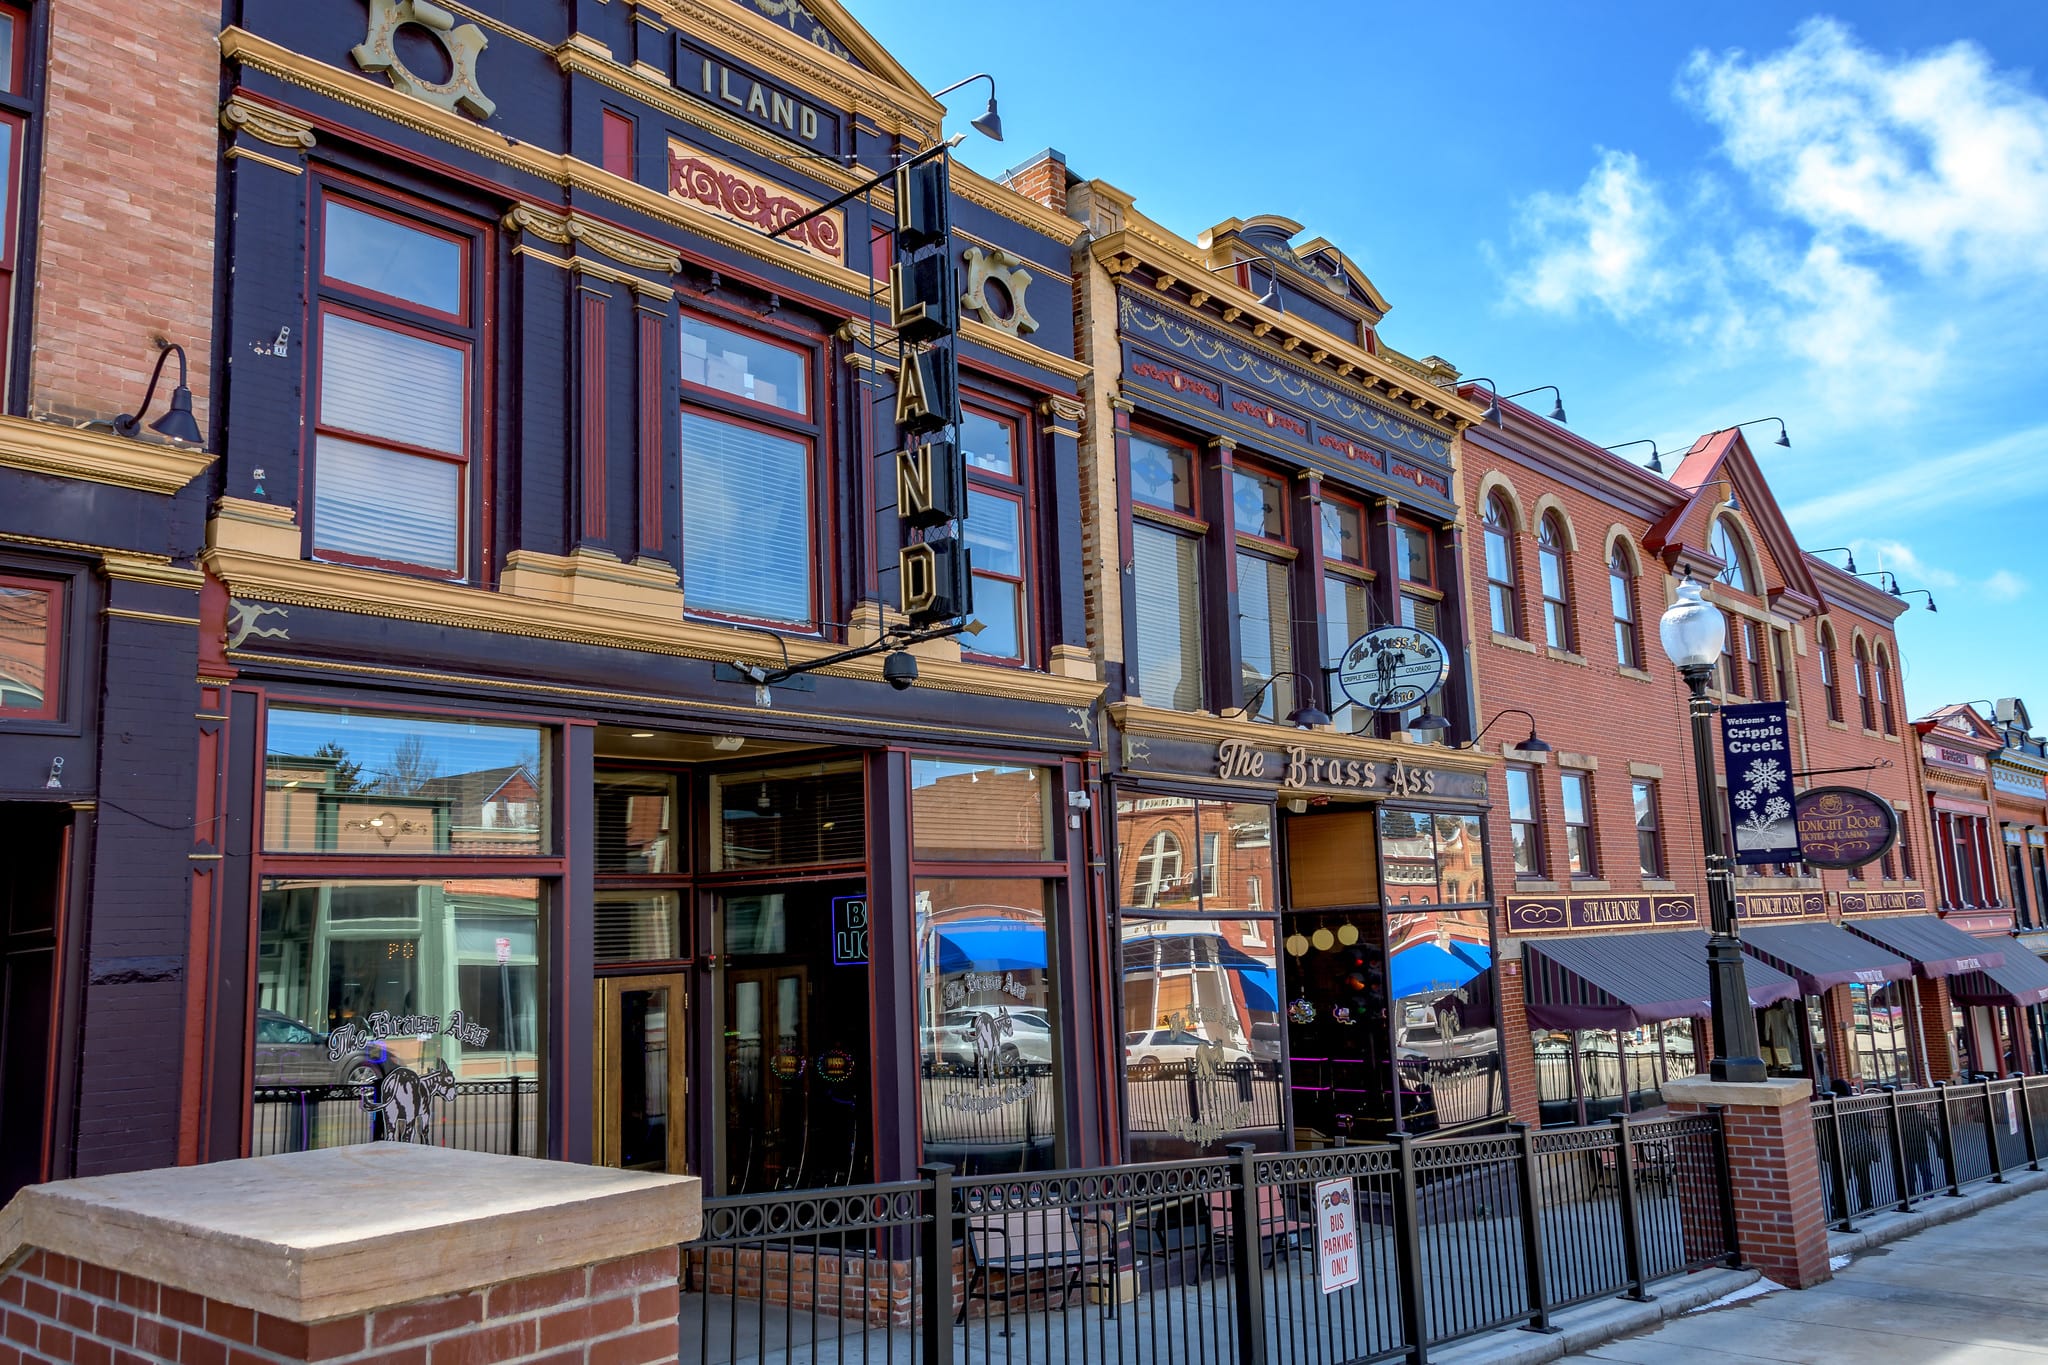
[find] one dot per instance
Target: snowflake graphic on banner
(1761, 799)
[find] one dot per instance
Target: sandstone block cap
(1705, 1090)
(308, 1236)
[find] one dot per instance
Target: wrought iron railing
(1892, 1149)
(1214, 1260)
(502, 1115)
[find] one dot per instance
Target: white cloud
(2005, 586)
(1601, 243)
(1940, 155)
(2005, 464)
(1900, 559)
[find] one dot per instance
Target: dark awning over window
(1936, 947)
(2022, 979)
(1620, 981)
(1820, 955)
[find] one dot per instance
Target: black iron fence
(1214, 1260)
(501, 1115)
(1892, 1149)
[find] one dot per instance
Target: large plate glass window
(31, 646)
(749, 495)
(1166, 550)
(397, 366)
(997, 534)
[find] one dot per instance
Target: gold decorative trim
(568, 229)
(130, 614)
(1063, 409)
(266, 124)
(579, 265)
(98, 456)
(157, 569)
(1005, 269)
(378, 53)
(589, 621)
(744, 197)
(244, 154)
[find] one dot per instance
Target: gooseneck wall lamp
(178, 423)
(1492, 413)
(1306, 716)
(1849, 567)
(1656, 465)
(1531, 745)
(1784, 439)
(990, 123)
(1272, 297)
(1556, 409)
(1694, 634)
(1922, 592)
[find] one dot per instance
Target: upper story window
(15, 108)
(1265, 602)
(1781, 659)
(1524, 827)
(1167, 569)
(1884, 693)
(396, 467)
(1727, 548)
(1863, 699)
(1557, 610)
(1731, 669)
(1420, 607)
(1621, 586)
(1347, 608)
(1581, 849)
(749, 476)
(1500, 566)
(1415, 549)
(1753, 657)
(997, 531)
(1830, 685)
(31, 648)
(1649, 838)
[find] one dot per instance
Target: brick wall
(1780, 1212)
(1043, 178)
(618, 1312)
(125, 242)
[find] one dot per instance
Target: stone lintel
(1704, 1090)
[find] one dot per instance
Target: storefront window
(980, 812)
(641, 871)
(404, 1009)
(1587, 1075)
(789, 817)
(1877, 1033)
(1446, 1041)
(31, 616)
(374, 783)
(987, 1023)
(1432, 858)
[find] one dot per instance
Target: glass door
(641, 1081)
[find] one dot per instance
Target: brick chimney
(1043, 177)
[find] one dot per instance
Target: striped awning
(1820, 955)
(2021, 979)
(1622, 981)
(1936, 947)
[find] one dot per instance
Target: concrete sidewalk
(1969, 1292)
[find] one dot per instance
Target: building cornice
(98, 456)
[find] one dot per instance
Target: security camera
(899, 670)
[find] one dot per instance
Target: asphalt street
(1971, 1292)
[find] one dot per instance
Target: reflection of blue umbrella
(1478, 954)
(1422, 968)
(1261, 989)
(991, 945)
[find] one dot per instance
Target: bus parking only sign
(1337, 1234)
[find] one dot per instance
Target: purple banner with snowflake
(1756, 750)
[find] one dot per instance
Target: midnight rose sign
(1756, 749)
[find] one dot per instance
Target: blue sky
(1685, 216)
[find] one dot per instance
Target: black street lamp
(1693, 634)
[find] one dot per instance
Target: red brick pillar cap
(309, 1236)
(1701, 1091)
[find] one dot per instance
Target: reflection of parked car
(290, 1053)
(950, 1042)
(1150, 1050)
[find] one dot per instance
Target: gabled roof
(1315, 261)
(1718, 461)
(823, 32)
(1960, 722)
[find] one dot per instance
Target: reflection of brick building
(1174, 855)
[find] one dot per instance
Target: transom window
(749, 494)
(1728, 549)
(1162, 473)
(1557, 611)
(397, 369)
(1500, 566)
(995, 532)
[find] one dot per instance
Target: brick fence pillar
(1774, 1166)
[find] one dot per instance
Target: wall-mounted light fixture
(1849, 567)
(1531, 745)
(1656, 465)
(989, 124)
(1556, 409)
(1271, 298)
(1492, 413)
(1784, 439)
(1303, 717)
(178, 423)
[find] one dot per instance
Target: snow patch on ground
(1750, 1291)
(1839, 1262)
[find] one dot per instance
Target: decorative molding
(163, 618)
(1006, 271)
(378, 54)
(596, 270)
(156, 570)
(572, 228)
(244, 154)
(98, 456)
(1063, 409)
(738, 196)
(266, 124)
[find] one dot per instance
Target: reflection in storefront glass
(987, 1028)
(405, 1009)
(1176, 853)
(1587, 1075)
(1446, 1039)
(787, 817)
(1202, 1038)
(980, 812)
(1432, 858)
(370, 782)
(1878, 1032)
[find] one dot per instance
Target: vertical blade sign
(931, 477)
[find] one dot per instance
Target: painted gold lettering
(1315, 770)
(901, 313)
(783, 111)
(1429, 784)
(1354, 772)
(757, 103)
(1297, 766)
(914, 481)
(912, 403)
(918, 572)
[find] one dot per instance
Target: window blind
(386, 505)
(378, 382)
(1169, 604)
(746, 521)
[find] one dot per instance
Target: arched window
(1884, 691)
(1557, 610)
(1727, 547)
(1621, 585)
(1830, 684)
(1158, 867)
(1863, 699)
(1500, 566)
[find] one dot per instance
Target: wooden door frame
(606, 1061)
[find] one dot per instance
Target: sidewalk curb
(1880, 1228)
(1597, 1323)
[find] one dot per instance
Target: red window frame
(619, 130)
(807, 427)
(1428, 534)
(1011, 488)
(53, 649)
(463, 329)
(1280, 697)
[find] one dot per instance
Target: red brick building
(1596, 857)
